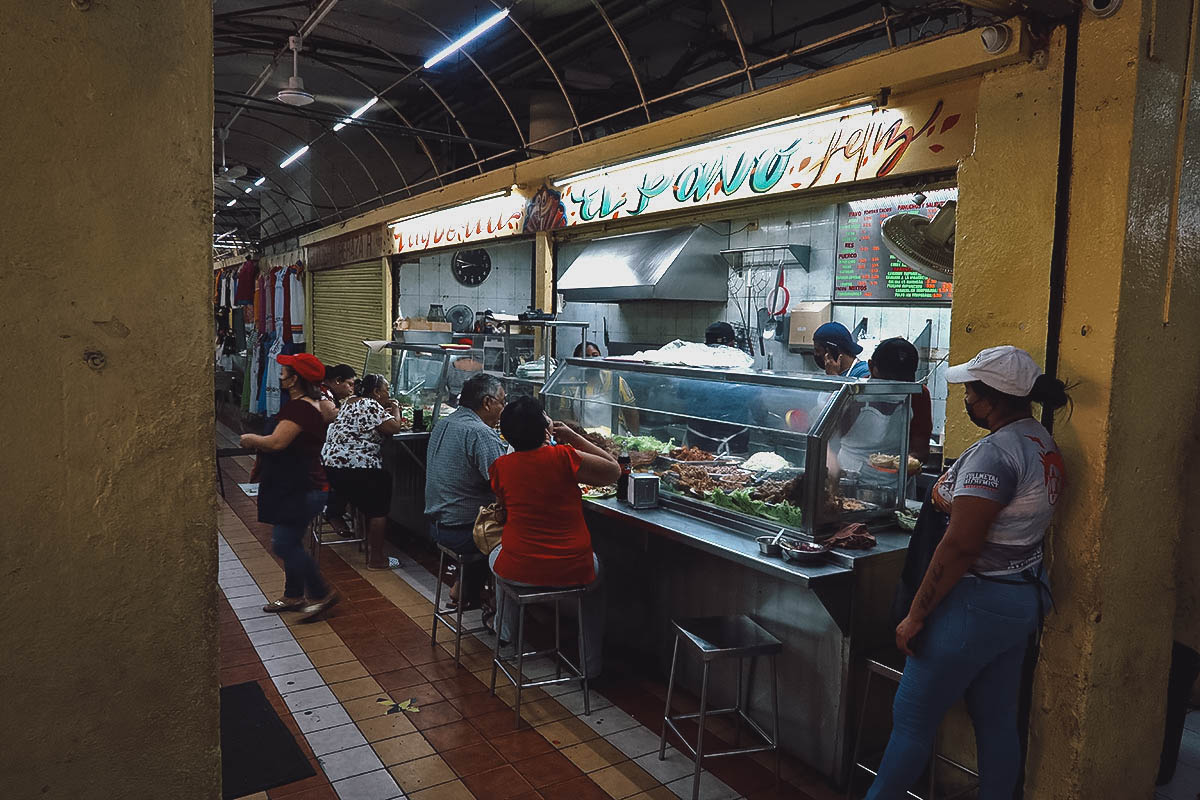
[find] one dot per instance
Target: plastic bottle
(623, 481)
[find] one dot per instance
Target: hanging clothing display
(295, 304)
(271, 375)
(247, 276)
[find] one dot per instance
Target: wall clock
(471, 267)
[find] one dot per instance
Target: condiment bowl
(768, 546)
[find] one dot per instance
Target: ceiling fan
(294, 94)
(922, 244)
(226, 172)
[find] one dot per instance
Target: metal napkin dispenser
(643, 490)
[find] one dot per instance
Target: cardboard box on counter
(806, 317)
(414, 324)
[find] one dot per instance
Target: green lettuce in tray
(643, 443)
(740, 500)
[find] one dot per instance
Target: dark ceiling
(553, 74)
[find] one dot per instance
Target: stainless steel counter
(660, 564)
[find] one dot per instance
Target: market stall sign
(479, 220)
(361, 245)
(920, 135)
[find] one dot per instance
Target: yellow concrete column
(1129, 333)
(109, 630)
(543, 277)
(1005, 220)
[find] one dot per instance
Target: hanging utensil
(777, 304)
(764, 319)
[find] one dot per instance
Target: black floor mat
(257, 750)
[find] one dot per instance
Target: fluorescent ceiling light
(467, 204)
(260, 181)
(231, 203)
(809, 119)
(357, 113)
(293, 157)
(467, 37)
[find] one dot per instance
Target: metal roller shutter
(349, 304)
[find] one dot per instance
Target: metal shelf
(800, 255)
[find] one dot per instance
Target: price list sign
(866, 271)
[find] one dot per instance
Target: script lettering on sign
(476, 221)
(360, 245)
(863, 145)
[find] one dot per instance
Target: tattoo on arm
(926, 597)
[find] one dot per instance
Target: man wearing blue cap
(836, 352)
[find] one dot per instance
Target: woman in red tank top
(545, 540)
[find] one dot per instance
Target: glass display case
(756, 450)
(424, 376)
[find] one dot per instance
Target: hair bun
(1050, 392)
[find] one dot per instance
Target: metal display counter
(741, 454)
(659, 564)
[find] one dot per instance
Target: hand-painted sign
(855, 145)
(361, 245)
(476, 221)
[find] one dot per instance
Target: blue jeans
(973, 644)
(301, 574)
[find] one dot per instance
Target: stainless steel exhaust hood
(673, 264)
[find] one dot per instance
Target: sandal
(314, 610)
(278, 606)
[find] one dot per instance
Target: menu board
(865, 269)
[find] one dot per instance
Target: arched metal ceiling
(552, 74)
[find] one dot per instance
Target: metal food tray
(721, 461)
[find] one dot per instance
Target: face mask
(980, 421)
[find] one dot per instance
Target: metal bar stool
(719, 638)
(322, 534)
(527, 596)
(444, 617)
(884, 666)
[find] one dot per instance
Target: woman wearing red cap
(292, 487)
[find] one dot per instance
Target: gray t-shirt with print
(1020, 467)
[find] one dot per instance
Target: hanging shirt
(295, 306)
(271, 371)
(247, 276)
(276, 320)
(262, 302)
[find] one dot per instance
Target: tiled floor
(1186, 784)
(333, 682)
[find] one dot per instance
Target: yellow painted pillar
(543, 278)
(1005, 220)
(1129, 331)
(109, 630)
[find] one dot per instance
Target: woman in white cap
(983, 595)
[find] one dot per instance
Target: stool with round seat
(524, 597)
(716, 639)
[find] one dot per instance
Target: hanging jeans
(593, 609)
(973, 644)
(301, 574)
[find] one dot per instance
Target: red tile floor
(327, 680)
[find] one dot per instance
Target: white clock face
(471, 267)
